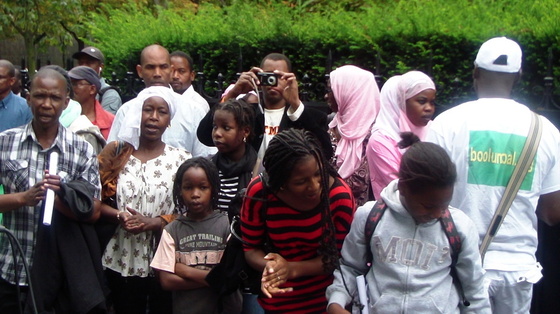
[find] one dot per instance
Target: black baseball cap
(85, 73)
(92, 52)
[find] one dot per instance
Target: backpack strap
(448, 226)
(373, 218)
(455, 246)
(452, 235)
(518, 175)
(102, 91)
(106, 88)
(264, 180)
(263, 176)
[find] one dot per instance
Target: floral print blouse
(147, 188)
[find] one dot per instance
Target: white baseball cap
(499, 54)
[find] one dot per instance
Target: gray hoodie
(411, 263)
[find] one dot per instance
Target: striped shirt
(22, 164)
(295, 235)
(228, 189)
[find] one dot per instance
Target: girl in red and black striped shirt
(301, 215)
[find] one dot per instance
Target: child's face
(420, 108)
(196, 192)
(226, 134)
(425, 205)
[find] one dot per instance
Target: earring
(169, 126)
(244, 140)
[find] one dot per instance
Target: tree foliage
(44, 23)
(41, 23)
(226, 36)
(439, 37)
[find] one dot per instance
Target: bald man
(156, 70)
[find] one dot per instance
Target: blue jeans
(251, 305)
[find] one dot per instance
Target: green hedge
(439, 37)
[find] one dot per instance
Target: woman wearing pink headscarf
(407, 105)
(354, 97)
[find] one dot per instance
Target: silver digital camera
(268, 78)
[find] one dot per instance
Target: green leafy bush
(387, 37)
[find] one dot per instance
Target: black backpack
(446, 223)
(233, 272)
(105, 89)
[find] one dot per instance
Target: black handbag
(233, 272)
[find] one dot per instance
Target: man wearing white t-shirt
(281, 107)
(484, 138)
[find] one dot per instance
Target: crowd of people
(146, 192)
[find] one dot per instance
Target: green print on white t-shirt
(492, 157)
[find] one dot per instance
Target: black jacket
(67, 273)
(311, 120)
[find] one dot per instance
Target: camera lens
(271, 80)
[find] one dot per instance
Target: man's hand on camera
(291, 91)
(244, 83)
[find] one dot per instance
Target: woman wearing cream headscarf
(407, 105)
(137, 172)
(354, 97)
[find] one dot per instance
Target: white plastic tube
(49, 199)
(362, 293)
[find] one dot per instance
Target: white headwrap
(130, 131)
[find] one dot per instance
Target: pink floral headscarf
(392, 115)
(357, 95)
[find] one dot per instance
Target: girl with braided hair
(294, 223)
(193, 244)
(236, 158)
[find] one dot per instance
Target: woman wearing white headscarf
(137, 173)
(407, 105)
(354, 97)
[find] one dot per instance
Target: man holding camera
(280, 108)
